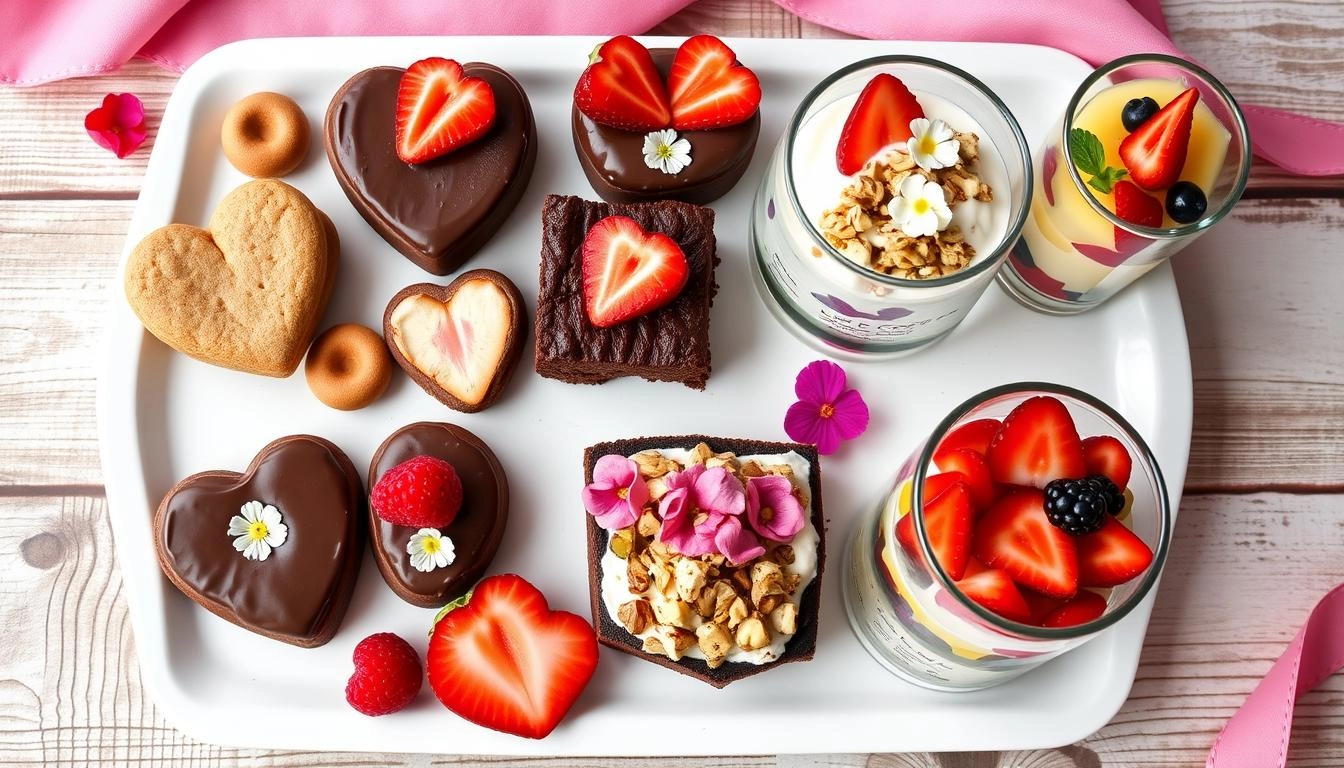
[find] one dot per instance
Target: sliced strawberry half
(709, 88)
(1016, 536)
(506, 661)
(1111, 556)
(947, 523)
(880, 117)
(622, 88)
(1106, 455)
(1041, 606)
(1084, 607)
(1137, 207)
(628, 272)
(994, 589)
(1036, 444)
(974, 435)
(440, 109)
(975, 473)
(1154, 153)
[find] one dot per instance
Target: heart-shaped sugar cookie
(459, 342)
(248, 292)
(275, 549)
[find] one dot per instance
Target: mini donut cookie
(348, 366)
(265, 135)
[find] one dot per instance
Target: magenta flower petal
(802, 422)
(678, 528)
(119, 124)
(617, 494)
(820, 381)
(772, 509)
(850, 415)
(736, 543)
(717, 492)
(828, 441)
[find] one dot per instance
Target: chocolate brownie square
(668, 344)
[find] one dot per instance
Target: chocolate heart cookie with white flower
(665, 125)
(274, 549)
(438, 506)
(705, 554)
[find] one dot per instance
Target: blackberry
(1080, 506)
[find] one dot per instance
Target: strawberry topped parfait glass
(1032, 518)
(1150, 153)
(896, 192)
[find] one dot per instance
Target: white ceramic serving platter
(164, 416)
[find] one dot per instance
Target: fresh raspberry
(387, 675)
(423, 492)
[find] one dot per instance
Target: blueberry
(1137, 112)
(1186, 202)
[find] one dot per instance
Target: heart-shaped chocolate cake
(475, 531)
(441, 211)
(459, 342)
(275, 549)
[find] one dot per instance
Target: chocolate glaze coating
(299, 593)
(668, 344)
(612, 634)
(476, 531)
(613, 159)
(440, 212)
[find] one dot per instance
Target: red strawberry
(628, 272)
(1154, 153)
(1037, 443)
(1106, 455)
(622, 88)
(994, 590)
(974, 435)
(709, 88)
(387, 675)
(421, 492)
(880, 117)
(975, 471)
(1016, 536)
(504, 660)
(1040, 605)
(1084, 607)
(439, 109)
(1137, 207)
(1111, 556)
(947, 522)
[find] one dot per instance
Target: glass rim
(1241, 131)
(983, 261)
(1008, 626)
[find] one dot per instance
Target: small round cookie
(348, 366)
(265, 135)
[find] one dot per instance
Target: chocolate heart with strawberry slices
(424, 161)
(699, 90)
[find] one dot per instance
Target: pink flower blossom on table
(772, 509)
(617, 494)
(119, 124)
(826, 412)
(696, 506)
(735, 542)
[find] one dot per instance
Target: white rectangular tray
(163, 416)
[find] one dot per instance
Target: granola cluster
(678, 602)
(861, 228)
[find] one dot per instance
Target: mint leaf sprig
(1090, 158)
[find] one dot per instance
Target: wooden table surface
(1261, 530)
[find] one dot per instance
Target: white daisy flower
(931, 144)
(921, 208)
(430, 549)
(257, 530)
(663, 151)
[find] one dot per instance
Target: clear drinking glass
(912, 617)
(1075, 252)
(837, 304)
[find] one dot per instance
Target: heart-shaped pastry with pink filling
(459, 342)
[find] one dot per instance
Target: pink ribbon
(1257, 735)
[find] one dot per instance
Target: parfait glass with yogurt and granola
(898, 189)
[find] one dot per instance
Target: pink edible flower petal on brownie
(617, 494)
(717, 492)
(735, 542)
(681, 530)
(772, 509)
(119, 124)
(826, 412)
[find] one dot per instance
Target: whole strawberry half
(628, 272)
(421, 492)
(506, 661)
(1037, 443)
(709, 88)
(387, 675)
(440, 109)
(622, 88)
(1154, 153)
(880, 117)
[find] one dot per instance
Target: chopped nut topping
(782, 554)
(648, 524)
(714, 641)
(785, 619)
(737, 612)
(752, 634)
(767, 586)
(671, 642)
(654, 464)
(636, 615)
(620, 543)
(690, 578)
(672, 612)
(636, 575)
